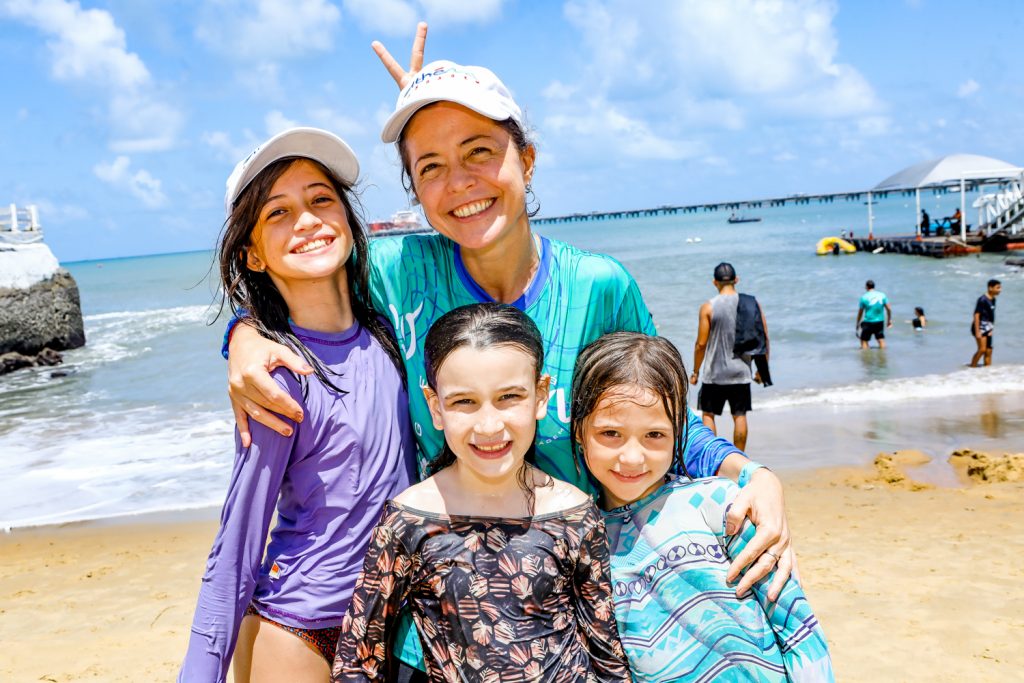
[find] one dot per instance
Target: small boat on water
(834, 245)
(743, 219)
(403, 222)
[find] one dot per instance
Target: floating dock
(937, 247)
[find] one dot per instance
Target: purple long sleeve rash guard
(329, 481)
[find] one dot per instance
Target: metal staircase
(1005, 211)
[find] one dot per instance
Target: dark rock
(9, 362)
(46, 315)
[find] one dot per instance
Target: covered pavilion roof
(947, 169)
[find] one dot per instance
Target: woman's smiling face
(468, 174)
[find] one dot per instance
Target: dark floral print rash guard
(494, 599)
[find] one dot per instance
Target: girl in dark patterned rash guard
(505, 568)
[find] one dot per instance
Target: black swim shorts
(712, 398)
(867, 329)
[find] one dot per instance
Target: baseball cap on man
(724, 272)
(312, 143)
(474, 87)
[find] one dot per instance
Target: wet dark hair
(255, 299)
(515, 133)
(630, 358)
(870, 284)
(725, 273)
(994, 282)
(918, 310)
(483, 326)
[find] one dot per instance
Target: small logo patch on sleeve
(275, 571)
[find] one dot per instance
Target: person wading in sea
(726, 374)
(984, 323)
(873, 315)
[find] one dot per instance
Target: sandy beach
(912, 582)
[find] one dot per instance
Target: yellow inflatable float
(826, 245)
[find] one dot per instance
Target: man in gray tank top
(726, 376)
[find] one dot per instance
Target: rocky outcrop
(40, 310)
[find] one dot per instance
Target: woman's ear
(434, 403)
(543, 393)
(528, 157)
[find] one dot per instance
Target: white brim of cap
(397, 121)
(312, 143)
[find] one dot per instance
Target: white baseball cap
(473, 87)
(312, 143)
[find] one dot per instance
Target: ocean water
(138, 420)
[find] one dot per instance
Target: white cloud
(630, 137)
(89, 47)
(140, 183)
(874, 126)
(784, 157)
(226, 148)
(391, 17)
(86, 45)
(399, 17)
(276, 122)
(60, 212)
(556, 90)
(274, 29)
(461, 11)
(968, 88)
(337, 123)
(264, 79)
(761, 53)
(142, 123)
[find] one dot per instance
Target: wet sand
(912, 581)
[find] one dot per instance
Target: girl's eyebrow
(307, 187)
(499, 390)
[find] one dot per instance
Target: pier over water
(828, 198)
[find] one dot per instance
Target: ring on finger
(774, 556)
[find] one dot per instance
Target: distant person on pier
(984, 322)
(873, 316)
(926, 223)
(955, 220)
(726, 373)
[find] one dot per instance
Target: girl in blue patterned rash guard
(669, 541)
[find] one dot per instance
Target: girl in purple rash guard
(294, 254)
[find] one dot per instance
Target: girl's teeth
(310, 246)
(473, 209)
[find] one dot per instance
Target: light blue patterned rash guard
(679, 620)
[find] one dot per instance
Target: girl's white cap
(474, 87)
(312, 143)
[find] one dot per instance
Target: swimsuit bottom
(323, 640)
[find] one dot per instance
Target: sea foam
(997, 379)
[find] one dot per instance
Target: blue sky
(122, 119)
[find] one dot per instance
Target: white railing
(20, 225)
(999, 210)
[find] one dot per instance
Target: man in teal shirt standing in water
(873, 316)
